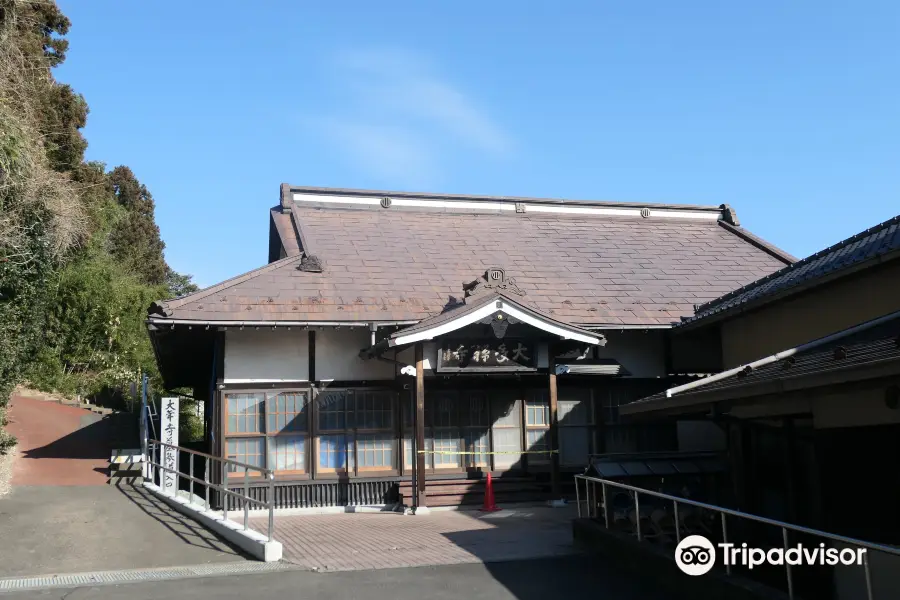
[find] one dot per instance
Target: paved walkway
(58, 444)
(62, 517)
(390, 540)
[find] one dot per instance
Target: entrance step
(126, 467)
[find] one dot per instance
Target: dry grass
(28, 185)
(6, 468)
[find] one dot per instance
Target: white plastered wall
(259, 355)
(337, 357)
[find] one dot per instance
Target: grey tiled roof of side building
(864, 348)
(407, 265)
(873, 242)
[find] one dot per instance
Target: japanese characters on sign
(169, 433)
(495, 355)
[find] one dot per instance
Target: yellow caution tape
(486, 452)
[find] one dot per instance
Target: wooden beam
(312, 356)
(554, 427)
(313, 424)
(419, 493)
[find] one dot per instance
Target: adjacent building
(808, 398)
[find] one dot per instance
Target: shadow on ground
(552, 565)
(185, 529)
(94, 440)
(73, 529)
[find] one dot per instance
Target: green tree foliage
(179, 284)
(80, 252)
(135, 239)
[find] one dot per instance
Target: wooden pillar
(419, 422)
(554, 427)
(313, 421)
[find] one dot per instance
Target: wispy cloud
(390, 152)
(405, 120)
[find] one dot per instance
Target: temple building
(398, 347)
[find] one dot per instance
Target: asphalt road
(567, 577)
(61, 517)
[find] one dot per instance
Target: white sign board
(169, 435)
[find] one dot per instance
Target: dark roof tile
(608, 270)
(871, 243)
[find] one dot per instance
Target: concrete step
(125, 460)
(126, 481)
(125, 467)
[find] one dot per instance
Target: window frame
(518, 406)
(351, 433)
(268, 396)
(542, 397)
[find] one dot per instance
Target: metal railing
(594, 503)
(224, 466)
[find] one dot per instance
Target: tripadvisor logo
(696, 555)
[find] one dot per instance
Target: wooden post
(554, 427)
(419, 491)
(313, 412)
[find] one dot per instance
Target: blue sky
(788, 111)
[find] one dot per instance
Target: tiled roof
(864, 348)
(408, 262)
(870, 244)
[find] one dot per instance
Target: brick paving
(344, 542)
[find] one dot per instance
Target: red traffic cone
(489, 504)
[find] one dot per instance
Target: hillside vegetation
(80, 252)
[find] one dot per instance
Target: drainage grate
(139, 575)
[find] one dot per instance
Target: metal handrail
(785, 527)
(156, 446)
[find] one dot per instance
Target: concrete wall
(261, 355)
(697, 436)
(811, 315)
(853, 409)
(641, 352)
(266, 355)
(282, 355)
(696, 351)
(829, 410)
(337, 357)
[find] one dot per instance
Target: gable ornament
(494, 279)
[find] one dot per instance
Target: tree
(135, 239)
(179, 285)
(80, 252)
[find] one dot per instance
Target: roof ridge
(799, 264)
(237, 279)
(287, 189)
